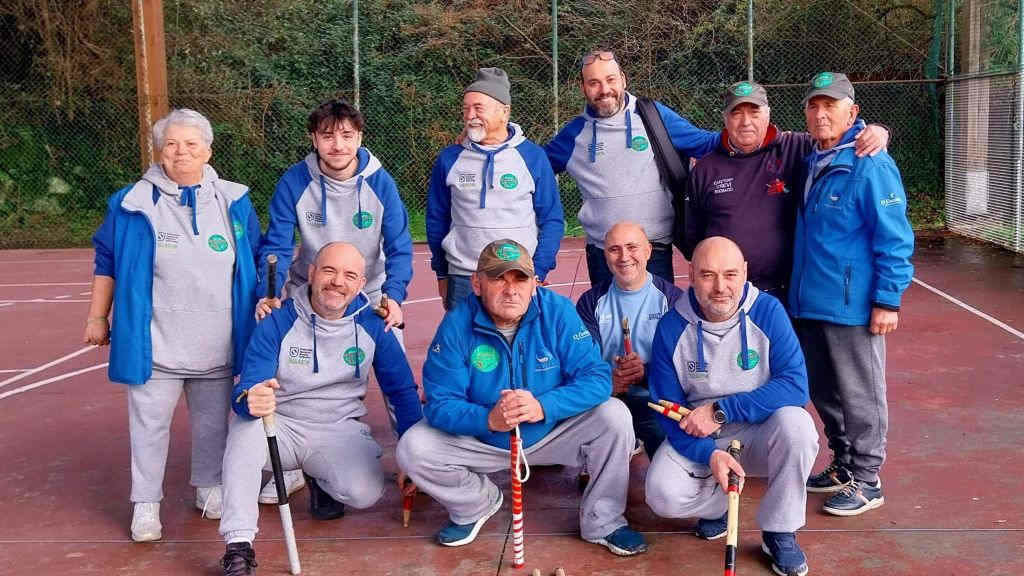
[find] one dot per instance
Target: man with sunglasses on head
(607, 151)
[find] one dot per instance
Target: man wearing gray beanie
(495, 184)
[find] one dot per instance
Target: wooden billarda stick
(673, 414)
(627, 342)
(733, 517)
(382, 310)
(518, 532)
(275, 456)
(407, 502)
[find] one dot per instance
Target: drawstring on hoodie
(188, 198)
(743, 340)
(701, 365)
(355, 328)
(359, 197)
(629, 129)
(488, 173)
(323, 198)
(316, 365)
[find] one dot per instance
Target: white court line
(5, 262)
(37, 301)
(86, 293)
(62, 297)
(2, 304)
(12, 370)
(972, 309)
(35, 385)
(44, 284)
(64, 358)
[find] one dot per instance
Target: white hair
(182, 117)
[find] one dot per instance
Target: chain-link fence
(68, 132)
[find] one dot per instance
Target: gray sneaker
(833, 478)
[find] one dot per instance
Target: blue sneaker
(623, 542)
(856, 498)
(461, 534)
(787, 557)
(714, 528)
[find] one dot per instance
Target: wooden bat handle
(271, 276)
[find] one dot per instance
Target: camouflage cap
(503, 255)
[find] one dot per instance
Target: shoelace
(247, 556)
(850, 489)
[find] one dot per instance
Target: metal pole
(950, 51)
(554, 62)
(1019, 124)
(355, 50)
(750, 40)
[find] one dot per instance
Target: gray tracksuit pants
(453, 469)
(782, 448)
(846, 377)
(342, 456)
(150, 411)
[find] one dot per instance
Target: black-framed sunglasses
(606, 55)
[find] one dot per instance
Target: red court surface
(953, 479)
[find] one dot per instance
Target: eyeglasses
(606, 55)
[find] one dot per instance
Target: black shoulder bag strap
(673, 169)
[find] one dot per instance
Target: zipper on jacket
(846, 286)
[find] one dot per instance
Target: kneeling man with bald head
(728, 352)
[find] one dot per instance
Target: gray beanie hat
(494, 83)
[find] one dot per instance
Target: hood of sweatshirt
(489, 151)
(689, 309)
(366, 165)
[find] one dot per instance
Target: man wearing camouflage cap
(515, 356)
(851, 264)
(742, 190)
(495, 184)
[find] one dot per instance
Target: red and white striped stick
(518, 533)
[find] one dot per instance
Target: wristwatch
(717, 414)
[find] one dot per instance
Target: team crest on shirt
(217, 243)
(300, 356)
(354, 356)
(314, 218)
(362, 220)
(508, 181)
(167, 240)
(484, 358)
(695, 374)
(466, 178)
(753, 358)
(639, 143)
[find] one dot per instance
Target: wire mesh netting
(68, 131)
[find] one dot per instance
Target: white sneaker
(146, 522)
(210, 501)
(293, 479)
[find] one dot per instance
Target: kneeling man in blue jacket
(728, 351)
(308, 363)
(517, 357)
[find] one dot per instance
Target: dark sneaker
(461, 534)
(856, 498)
(239, 559)
(623, 542)
(833, 478)
(787, 557)
(321, 505)
(712, 529)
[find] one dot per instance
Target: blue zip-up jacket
(125, 250)
(853, 241)
(365, 210)
(552, 355)
(751, 364)
(322, 366)
(480, 193)
(613, 165)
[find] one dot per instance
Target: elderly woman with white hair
(175, 256)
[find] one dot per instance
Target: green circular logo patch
(362, 220)
(239, 230)
(218, 243)
(507, 252)
(822, 80)
(743, 89)
(353, 356)
(752, 359)
(484, 358)
(639, 144)
(509, 181)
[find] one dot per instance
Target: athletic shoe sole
(147, 536)
(829, 490)
(476, 525)
(616, 550)
(714, 536)
(777, 570)
(271, 497)
(869, 505)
